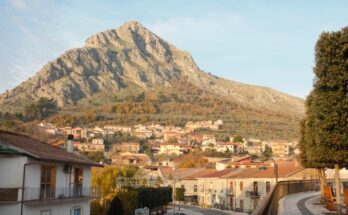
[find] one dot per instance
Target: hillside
(132, 60)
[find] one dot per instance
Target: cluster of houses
(169, 140)
(235, 183)
(238, 183)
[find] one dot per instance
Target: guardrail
(269, 206)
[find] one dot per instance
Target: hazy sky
(269, 43)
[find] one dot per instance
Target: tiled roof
(199, 174)
(221, 173)
(285, 169)
(40, 150)
(178, 172)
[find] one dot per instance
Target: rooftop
(39, 150)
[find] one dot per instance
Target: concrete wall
(11, 169)
(58, 208)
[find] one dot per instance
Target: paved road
(192, 210)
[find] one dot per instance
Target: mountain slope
(131, 56)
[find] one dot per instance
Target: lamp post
(275, 169)
(173, 193)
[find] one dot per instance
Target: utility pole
(275, 169)
(174, 195)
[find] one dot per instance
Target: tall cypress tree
(326, 126)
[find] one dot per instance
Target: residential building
(123, 129)
(242, 189)
(127, 158)
(208, 140)
(253, 147)
(238, 162)
(174, 148)
(132, 147)
(98, 141)
(42, 179)
(89, 147)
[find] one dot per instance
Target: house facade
(42, 179)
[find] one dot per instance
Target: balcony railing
(253, 194)
(59, 193)
(269, 206)
(9, 194)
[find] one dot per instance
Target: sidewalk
(303, 203)
(195, 210)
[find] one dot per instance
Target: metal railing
(58, 193)
(269, 206)
(9, 194)
(253, 194)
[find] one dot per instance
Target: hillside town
(166, 140)
(236, 173)
(173, 107)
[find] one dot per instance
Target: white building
(173, 148)
(37, 178)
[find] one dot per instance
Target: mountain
(131, 57)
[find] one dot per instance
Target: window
(195, 188)
(231, 203)
(268, 186)
(46, 212)
(241, 186)
(231, 187)
(76, 182)
(48, 182)
(76, 211)
(241, 205)
(255, 187)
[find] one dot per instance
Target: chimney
(69, 143)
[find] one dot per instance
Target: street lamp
(275, 169)
(173, 192)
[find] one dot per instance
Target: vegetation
(324, 140)
(177, 105)
(267, 153)
(211, 152)
(40, 109)
(192, 161)
(94, 156)
(180, 194)
(105, 181)
(238, 139)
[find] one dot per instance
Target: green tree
(267, 153)
(40, 109)
(238, 139)
(326, 128)
(179, 194)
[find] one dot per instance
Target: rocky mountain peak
(132, 56)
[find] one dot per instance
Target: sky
(267, 43)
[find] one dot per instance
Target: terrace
(294, 198)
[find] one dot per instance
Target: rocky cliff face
(133, 56)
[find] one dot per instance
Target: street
(193, 210)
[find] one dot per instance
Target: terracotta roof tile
(40, 150)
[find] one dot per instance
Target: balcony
(253, 194)
(37, 195)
